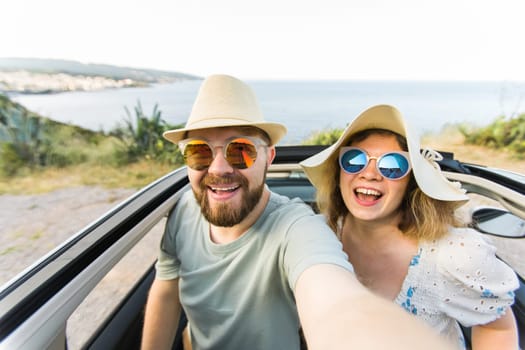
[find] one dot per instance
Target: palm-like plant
(142, 135)
(144, 131)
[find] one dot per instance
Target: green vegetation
(31, 144)
(20, 137)
(141, 137)
(503, 133)
(325, 137)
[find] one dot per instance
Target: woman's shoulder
(469, 260)
(463, 243)
(474, 281)
(465, 252)
(459, 245)
(465, 261)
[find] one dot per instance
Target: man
(251, 267)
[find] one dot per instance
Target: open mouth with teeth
(223, 187)
(227, 189)
(367, 194)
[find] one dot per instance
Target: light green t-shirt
(240, 295)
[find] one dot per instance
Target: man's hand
(337, 312)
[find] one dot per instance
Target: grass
(37, 235)
(135, 175)
(8, 250)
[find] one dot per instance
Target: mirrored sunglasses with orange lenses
(239, 152)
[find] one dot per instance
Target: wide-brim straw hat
(225, 101)
(426, 170)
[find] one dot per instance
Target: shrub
(10, 162)
(20, 137)
(29, 141)
(324, 137)
(503, 133)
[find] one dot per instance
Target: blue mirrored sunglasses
(391, 165)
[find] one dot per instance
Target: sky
(278, 39)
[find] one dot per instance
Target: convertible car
(90, 292)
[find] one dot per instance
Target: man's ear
(270, 155)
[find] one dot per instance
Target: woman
(393, 211)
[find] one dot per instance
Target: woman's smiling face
(368, 195)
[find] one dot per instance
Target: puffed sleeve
(477, 287)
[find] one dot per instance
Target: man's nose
(219, 164)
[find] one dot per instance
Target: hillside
(54, 66)
(20, 125)
(35, 75)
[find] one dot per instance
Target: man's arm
(337, 312)
(162, 315)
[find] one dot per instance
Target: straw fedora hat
(426, 170)
(224, 101)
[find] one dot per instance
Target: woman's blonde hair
(422, 217)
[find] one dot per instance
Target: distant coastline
(47, 76)
(24, 82)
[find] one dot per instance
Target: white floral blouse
(457, 278)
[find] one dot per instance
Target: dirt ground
(32, 225)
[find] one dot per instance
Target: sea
(305, 107)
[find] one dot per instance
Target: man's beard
(224, 215)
